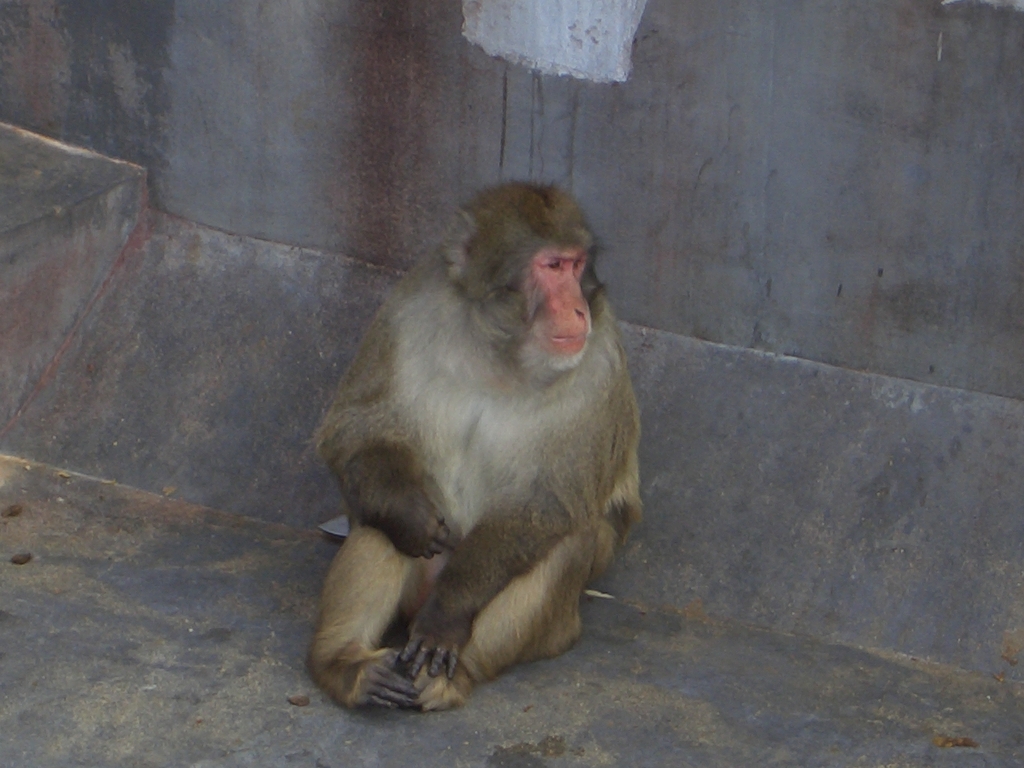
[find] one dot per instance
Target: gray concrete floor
(146, 631)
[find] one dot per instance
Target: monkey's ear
(456, 243)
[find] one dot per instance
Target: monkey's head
(524, 261)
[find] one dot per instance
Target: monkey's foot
(440, 693)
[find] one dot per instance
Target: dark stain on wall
(34, 82)
(90, 72)
(399, 66)
(117, 61)
(392, 65)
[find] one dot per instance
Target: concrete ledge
(204, 370)
(65, 215)
(787, 494)
(807, 498)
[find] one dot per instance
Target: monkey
(485, 439)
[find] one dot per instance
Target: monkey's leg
(362, 594)
(535, 616)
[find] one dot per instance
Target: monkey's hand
(412, 523)
(385, 487)
(435, 638)
(381, 686)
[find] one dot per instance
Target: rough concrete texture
(149, 632)
(841, 182)
(65, 215)
(89, 72)
(206, 366)
(789, 494)
(854, 507)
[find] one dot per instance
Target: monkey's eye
(559, 264)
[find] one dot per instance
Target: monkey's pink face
(556, 302)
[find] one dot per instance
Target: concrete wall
(841, 182)
(832, 180)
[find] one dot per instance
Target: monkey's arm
(496, 551)
(385, 487)
(383, 483)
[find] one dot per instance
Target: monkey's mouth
(568, 345)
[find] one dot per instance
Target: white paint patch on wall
(1018, 4)
(587, 39)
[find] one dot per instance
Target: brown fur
(486, 483)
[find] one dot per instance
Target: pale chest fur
(482, 440)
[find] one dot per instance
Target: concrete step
(147, 631)
(65, 215)
(206, 365)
